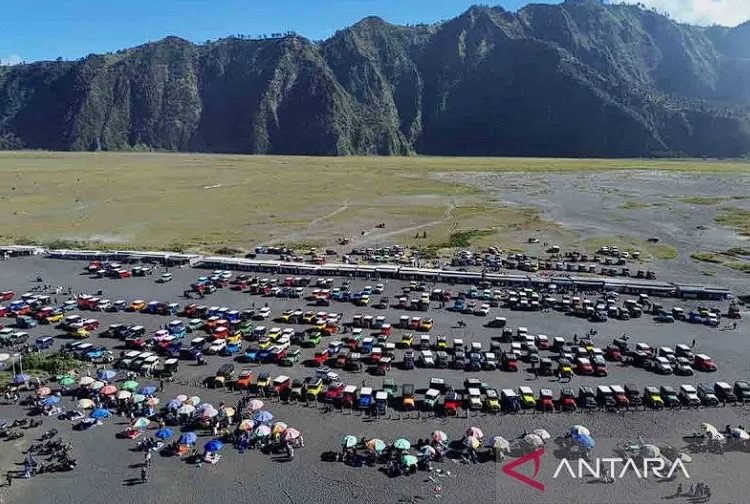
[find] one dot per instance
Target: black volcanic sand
(105, 473)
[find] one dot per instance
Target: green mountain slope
(576, 79)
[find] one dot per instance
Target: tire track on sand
(374, 236)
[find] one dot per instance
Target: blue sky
(45, 29)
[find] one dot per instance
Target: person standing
(144, 475)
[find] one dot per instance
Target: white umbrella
(649, 451)
(500, 443)
(716, 436)
(186, 409)
(124, 394)
(542, 434)
(533, 441)
(710, 429)
(209, 412)
(86, 380)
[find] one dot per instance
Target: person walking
(144, 475)
(147, 459)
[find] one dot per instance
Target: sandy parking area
(105, 462)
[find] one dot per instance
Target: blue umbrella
(584, 440)
(188, 438)
(164, 433)
(21, 378)
(263, 416)
(148, 390)
(214, 445)
(174, 404)
(100, 413)
(52, 400)
(106, 374)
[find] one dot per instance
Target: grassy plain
(208, 202)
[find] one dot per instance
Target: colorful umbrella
(43, 391)
(164, 433)
(66, 381)
(349, 441)
(500, 443)
(579, 429)
(263, 431)
(182, 398)
(140, 423)
(440, 436)
(213, 446)
(543, 434)
(52, 400)
(428, 450)
(475, 432)
(148, 389)
(108, 390)
(262, 416)
(291, 433)
(401, 444)
(97, 385)
(100, 413)
(472, 442)
(174, 404)
(85, 404)
(280, 427)
(255, 405)
(20, 378)
(130, 385)
(123, 394)
(138, 398)
(409, 460)
(186, 409)
(152, 401)
(202, 407)
(188, 438)
(376, 444)
(195, 400)
(584, 440)
(739, 433)
(228, 412)
(106, 374)
(246, 425)
(86, 380)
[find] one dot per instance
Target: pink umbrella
(291, 433)
(255, 405)
(43, 391)
(475, 432)
(108, 390)
(182, 398)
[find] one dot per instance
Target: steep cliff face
(576, 79)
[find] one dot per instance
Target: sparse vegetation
(464, 238)
(744, 267)
(50, 363)
(734, 217)
(635, 205)
(701, 200)
(738, 251)
(709, 257)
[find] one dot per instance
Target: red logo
(536, 457)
